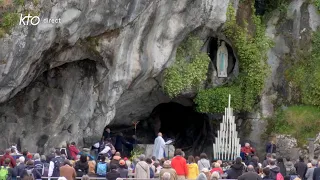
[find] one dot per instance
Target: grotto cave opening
(212, 50)
(191, 131)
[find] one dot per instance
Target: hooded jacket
(274, 170)
(193, 171)
(235, 171)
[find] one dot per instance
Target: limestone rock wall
(125, 45)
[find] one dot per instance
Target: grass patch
(9, 20)
(299, 121)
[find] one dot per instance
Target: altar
(148, 149)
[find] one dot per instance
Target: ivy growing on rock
(251, 48)
(304, 75)
(189, 69)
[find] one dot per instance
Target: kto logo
(34, 20)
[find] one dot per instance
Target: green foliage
(281, 5)
(301, 122)
(136, 152)
(9, 20)
(252, 53)
(190, 68)
(2, 32)
(317, 4)
(19, 2)
(304, 75)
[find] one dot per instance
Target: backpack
(45, 170)
(151, 172)
(28, 175)
(39, 167)
(58, 162)
(279, 177)
(4, 173)
(102, 169)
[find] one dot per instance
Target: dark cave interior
(190, 130)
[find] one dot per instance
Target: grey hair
(166, 176)
(85, 177)
(142, 157)
(314, 163)
(250, 168)
(36, 156)
(43, 158)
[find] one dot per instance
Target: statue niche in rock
(222, 60)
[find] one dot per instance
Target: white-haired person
(21, 167)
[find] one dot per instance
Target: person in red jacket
(74, 151)
(248, 150)
(179, 163)
(7, 155)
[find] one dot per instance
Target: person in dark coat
(316, 173)
(121, 143)
(266, 172)
(106, 134)
(250, 175)
(82, 166)
(301, 167)
(20, 168)
(113, 174)
(30, 166)
(51, 155)
(274, 169)
(271, 147)
(282, 167)
(255, 163)
(236, 169)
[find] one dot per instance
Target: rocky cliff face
(67, 81)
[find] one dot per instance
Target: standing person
(236, 169)
(7, 155)
(159, 147)
(21, 167)
(123, 169)
(168, 169)
(113, 174)
(6, 172)
(106, 134)
(116, 159)
(82, 166)
(316, 173)
(301, 167)
(309, 174)
(38, 165)
(203, 162)
(67, 171)
(30, 171)
(121, 143)
(274, 169)
(151, 167)
(74, 151)
(266, 173)
(193, 169)
(250, 175)
(282, 167)
(55, 164)
(179, 163)
(51, 155)
(271, 147)
(142, 169)
(102, 167)
(289, 166)
(45, 166)
(265, 162)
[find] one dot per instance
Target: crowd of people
(104, 160)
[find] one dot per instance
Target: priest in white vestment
(159, 147)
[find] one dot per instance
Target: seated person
(247, 152)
